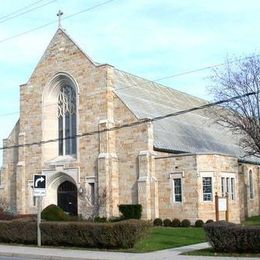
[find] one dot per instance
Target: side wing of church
(82, 124)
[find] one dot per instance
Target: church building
(89, 128)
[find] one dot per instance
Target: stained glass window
(67, 120)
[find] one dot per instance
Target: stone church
(85, 126)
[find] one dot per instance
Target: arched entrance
(67, 197)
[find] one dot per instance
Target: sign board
(222, 204)
(39, 185)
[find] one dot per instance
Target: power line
(27, 11)
(21, 9)
(190, 71)
(136, 123)
(154, 80)
(53, 22)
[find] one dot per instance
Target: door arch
(67, 197)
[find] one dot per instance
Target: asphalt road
(11, 258)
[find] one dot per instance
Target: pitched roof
(194, 132)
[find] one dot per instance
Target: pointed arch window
(67, 120)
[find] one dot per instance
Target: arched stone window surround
(50, 112)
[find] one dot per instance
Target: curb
(38, 257)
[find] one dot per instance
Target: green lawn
(167, 237)
(253, 221)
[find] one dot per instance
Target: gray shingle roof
(194, 132)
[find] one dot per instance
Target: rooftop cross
(59, 14)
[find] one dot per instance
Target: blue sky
(150, 38)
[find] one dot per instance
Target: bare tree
(242, 115)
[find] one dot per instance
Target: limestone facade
(119, 166)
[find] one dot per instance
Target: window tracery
(67, 120)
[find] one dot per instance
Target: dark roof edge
(169, 151)
(248, 162)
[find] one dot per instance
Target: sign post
(39, 190)
(39, 209)
(221, 204)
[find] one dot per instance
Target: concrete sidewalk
(29, 252)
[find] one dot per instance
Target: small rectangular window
(227, 185)
(34, 201)
(232, 186)
(223, 186)
(177, 190)
(207, 188)
(251, 188)
(92, 193)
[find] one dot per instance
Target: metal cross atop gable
(59, 14)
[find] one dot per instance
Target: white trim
(230, 176)
(202, 175)
(172, 177)
(177, 173)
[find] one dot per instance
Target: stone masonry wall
(8, 170)
(249, 206)
(168, 167)
(217, 166)
(62, 55)
(130, 141)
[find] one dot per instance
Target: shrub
(100, 219)
(115, 219)
(199, 223)
(83, 234)
(157, 222)
(21, 232)
(6, 215)
(131, 211)
(209, 221)
(167, 222)
(229, 237)
(176, 222)
(54, 213)
(185, 223)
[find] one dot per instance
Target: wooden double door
(68, 198)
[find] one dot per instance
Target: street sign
(39, 181)
(39, 185)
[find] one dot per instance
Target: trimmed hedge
(122, 234)
(229, 237)
(167, 222)
(175, 222)
(6, 215)
(54, 213)
(100, 219)
(209, 221)
(185, 223)
(131, 211)
(199, 223)
(157, 222)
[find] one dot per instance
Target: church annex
(173, 166)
